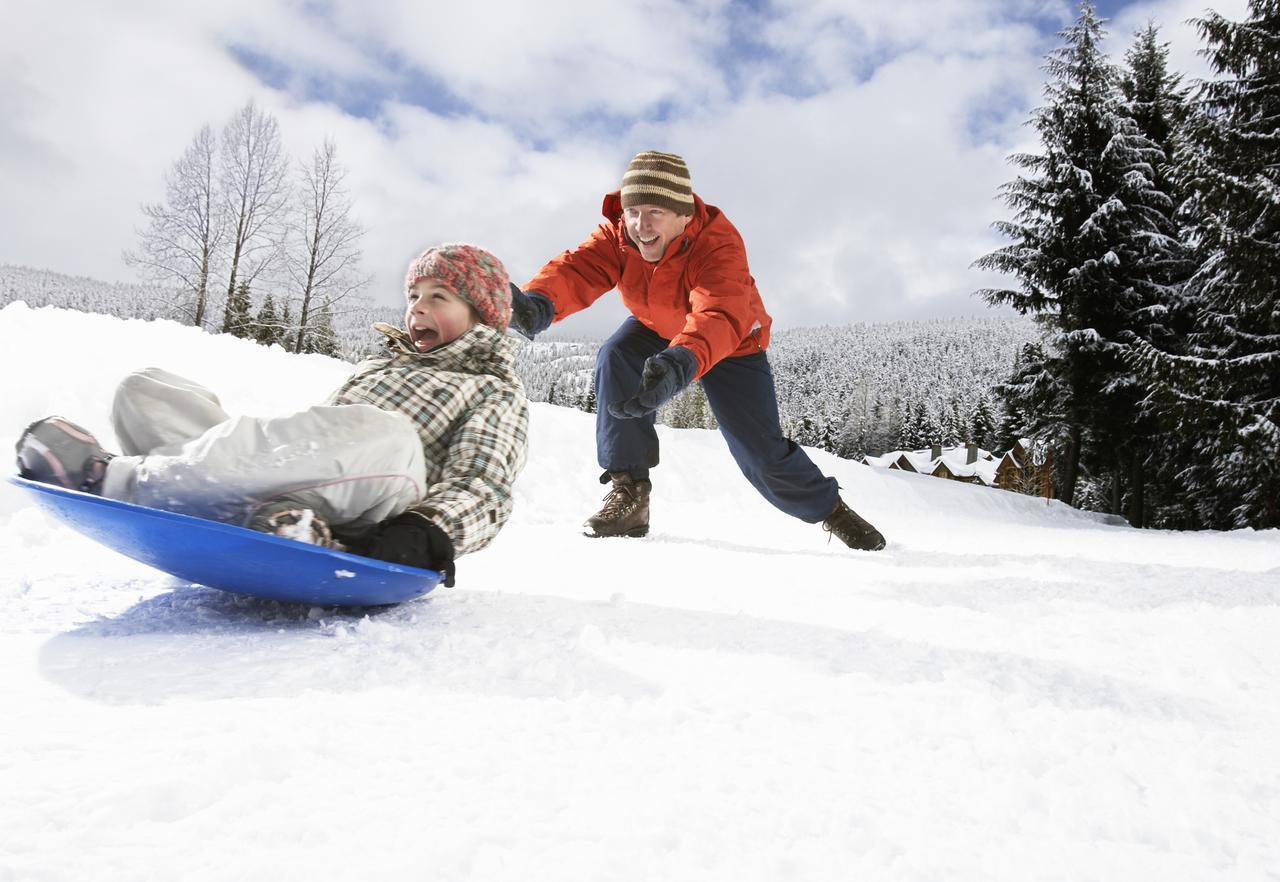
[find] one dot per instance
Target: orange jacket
(700, 295)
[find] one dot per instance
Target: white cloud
(1172, 18)
(864, 189)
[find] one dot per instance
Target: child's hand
(414, 541)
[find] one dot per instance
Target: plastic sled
(232, 558)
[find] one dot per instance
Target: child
(411, 460)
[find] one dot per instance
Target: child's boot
(55, 450)
(290, 519)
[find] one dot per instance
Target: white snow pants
(353, 464)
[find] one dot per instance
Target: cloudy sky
(857, 144)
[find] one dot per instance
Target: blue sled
(232, 558)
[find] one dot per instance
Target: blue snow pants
(741, 394)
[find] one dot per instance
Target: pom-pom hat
(473, 274)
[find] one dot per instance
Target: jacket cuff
(685, 361)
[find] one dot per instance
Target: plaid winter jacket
(472, 416)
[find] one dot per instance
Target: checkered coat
(472, 416)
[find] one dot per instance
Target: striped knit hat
(655, 178)
(473, 274)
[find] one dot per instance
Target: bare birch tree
(255, 192)
(323, 259)
(185, 233)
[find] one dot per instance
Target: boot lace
(845, 526)
(619, 502)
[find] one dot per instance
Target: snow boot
(55, 450)
(626, 508)
(289, 519)
(845, 524)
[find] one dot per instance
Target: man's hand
(531, 312)
(414, 541)
(664, 375)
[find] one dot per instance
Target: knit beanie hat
(655, 178)
(473, 274)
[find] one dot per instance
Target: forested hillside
(351, 337)
(851, 390)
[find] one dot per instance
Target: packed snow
(1013, 690)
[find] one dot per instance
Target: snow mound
(1013, 690)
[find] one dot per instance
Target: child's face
(435, 315)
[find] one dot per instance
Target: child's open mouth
(423, 338)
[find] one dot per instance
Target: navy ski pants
(742, 398)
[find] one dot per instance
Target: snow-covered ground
(1011, 691)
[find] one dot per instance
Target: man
(681, 268)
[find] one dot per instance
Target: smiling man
(681, 268)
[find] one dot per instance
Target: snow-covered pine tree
(237, 318)
(1224, 390)
(266, 324)
(1085, 221)
(982, 425)
(1157, 101)
(319, 336)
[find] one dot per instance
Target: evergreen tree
(1223, 390)
(911, 435)
(319, 336)
(1087, 225)
(930, 429)
(266, 324)
(236, 319)
(982, 425)
(1157, 101)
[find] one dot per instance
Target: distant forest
(856, 389)
(852, 390)
(348, 338)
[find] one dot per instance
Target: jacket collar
(702, 215)
(480, 350)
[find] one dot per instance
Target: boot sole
(633, 533)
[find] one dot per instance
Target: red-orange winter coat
(700, 295)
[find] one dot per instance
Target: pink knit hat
(473, 274)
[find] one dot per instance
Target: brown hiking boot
(626, 508)
(845, 524)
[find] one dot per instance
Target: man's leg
(625, 445)
(625, 448)
(742, 397)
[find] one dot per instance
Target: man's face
(653, 228)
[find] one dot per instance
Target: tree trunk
(1137, 491)
(202, 295)
(1071, 466)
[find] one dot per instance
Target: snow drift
(1013, 690)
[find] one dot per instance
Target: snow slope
(1012, 691)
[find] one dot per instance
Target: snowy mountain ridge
(1013, 690)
